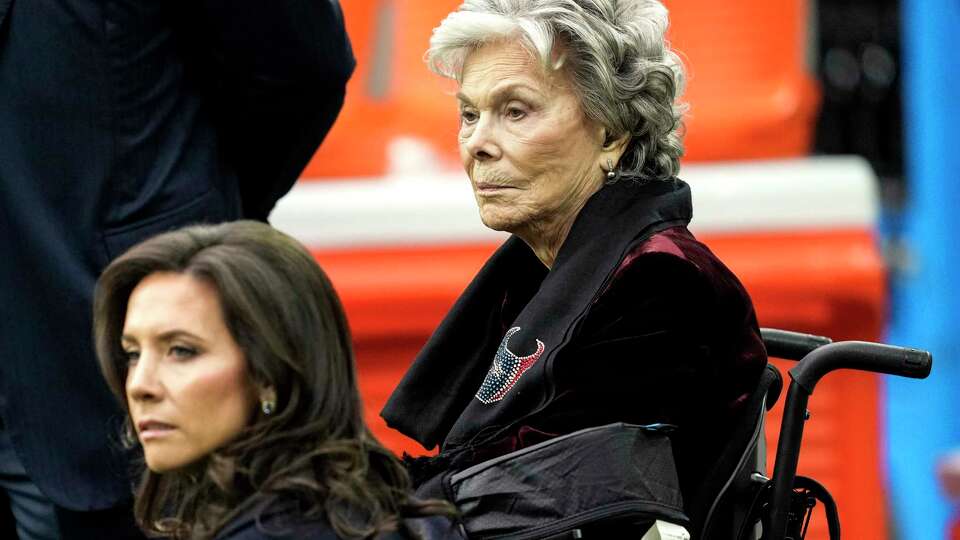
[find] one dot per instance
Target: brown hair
(314, 451)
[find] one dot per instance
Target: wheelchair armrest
(791, 345)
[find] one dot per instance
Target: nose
(143, 381)
(481, 143)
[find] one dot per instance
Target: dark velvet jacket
(636, 322)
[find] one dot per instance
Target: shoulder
(671, 263)
(429, 528)
(674, 263)
(670, 250)
(282, 527)
(272, 526)
(672, 284)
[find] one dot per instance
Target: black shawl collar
(451, 394)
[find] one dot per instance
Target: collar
(471, 381)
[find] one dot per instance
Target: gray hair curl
(615, 52)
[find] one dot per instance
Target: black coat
(267, 526)
(636, 322)
(120, 119)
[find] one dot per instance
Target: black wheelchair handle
(791, 345)
(863, 356)
(860, 355)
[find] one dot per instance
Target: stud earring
(268, 399)
(268, 406)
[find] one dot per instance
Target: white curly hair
(614, 51)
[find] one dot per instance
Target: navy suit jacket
(120, 119)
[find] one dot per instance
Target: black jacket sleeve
(642, 350)
(671, 341)
(276, 71)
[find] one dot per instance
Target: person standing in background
(119, 120)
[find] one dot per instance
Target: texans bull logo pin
(506, 370)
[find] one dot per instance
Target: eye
(183, 352)
(468, 116)
(131, 356)
(515, 113)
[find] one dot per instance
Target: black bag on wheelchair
(592, 483)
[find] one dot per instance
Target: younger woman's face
(188, 386)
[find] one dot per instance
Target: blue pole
(923, 417)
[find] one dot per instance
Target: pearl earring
(611, 174)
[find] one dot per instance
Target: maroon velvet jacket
(637, 322)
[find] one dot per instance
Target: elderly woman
(229, 350)
(601, 307)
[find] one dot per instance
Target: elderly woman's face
(532, 155)
(187, 385)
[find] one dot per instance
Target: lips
(489, 187)
(151, 429)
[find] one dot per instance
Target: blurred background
(822, 156)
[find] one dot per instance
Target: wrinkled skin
(532, 155)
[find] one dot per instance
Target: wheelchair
(600, 482)
(737, 501)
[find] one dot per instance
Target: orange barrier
(749, 92)
(391, 94)
(356, 142)
(828, 283)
